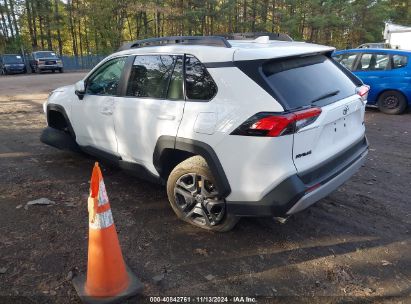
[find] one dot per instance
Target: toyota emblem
(346, 109)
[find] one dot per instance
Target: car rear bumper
(300, 191)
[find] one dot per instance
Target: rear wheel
(392, 102)
(194, 197)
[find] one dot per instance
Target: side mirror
(80, 89)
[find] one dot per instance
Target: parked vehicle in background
(45, 61)
(12, 63)
(232, 127)
(378, 45)
(386, 71)
(398, 36)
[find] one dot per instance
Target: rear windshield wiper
(326, 95)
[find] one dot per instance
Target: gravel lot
(353, 246)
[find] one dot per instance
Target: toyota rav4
(233, 128)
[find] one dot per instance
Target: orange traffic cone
(108, 278)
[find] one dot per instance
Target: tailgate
(340, 126)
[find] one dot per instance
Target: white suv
(232, 127)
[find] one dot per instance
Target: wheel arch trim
(62, 111)
(196, 147)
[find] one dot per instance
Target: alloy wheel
(197, 199)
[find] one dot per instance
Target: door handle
(166, 117)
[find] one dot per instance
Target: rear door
(317, 81)
(152, 106)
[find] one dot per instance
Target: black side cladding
(197, 148)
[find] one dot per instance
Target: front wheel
(392, 102)
(194, 197)
(61, 70)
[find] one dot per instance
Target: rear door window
(373, 62)
(304, 81)
(150, 76)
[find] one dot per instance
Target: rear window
(304, 81)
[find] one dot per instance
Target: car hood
(63, 89)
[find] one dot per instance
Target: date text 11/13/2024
(203, 299)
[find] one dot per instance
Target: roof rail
(251, 35)
(218, 41)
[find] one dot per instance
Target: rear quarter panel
(380, 81)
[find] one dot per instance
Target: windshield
(45, 55)
(7, 59)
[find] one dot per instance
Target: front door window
(106, 79)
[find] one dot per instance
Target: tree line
(82, 27)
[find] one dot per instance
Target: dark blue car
(12, 63)
(386, 71)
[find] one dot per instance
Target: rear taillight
(363, 92)
(273, 125)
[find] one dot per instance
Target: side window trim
(87, 79)
(356, 60)
(184, 78)
(125, 76)
(183, 82)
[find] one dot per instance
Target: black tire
(61, 70)
(25, 71)
(203, 209)
(2, 72)
(392, 102)
(53, 71)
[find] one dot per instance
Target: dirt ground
(354, 246)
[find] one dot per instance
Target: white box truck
(398, 36)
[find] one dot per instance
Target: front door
(93, 115)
